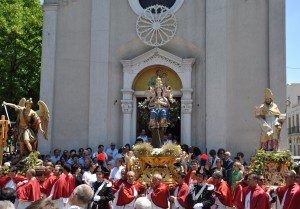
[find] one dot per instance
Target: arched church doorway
(143, 81)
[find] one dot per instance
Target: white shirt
(115, 173)
(247, 200)
(11, 184)
(89, 177)
(113, 152)
(144, 137)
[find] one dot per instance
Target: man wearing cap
(267, 115)
(158, 194)
(102, 190)
(201, 194)
(178, 199)
(128, 192)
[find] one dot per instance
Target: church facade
(218, 56)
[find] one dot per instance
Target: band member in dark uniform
(103, 193)
(201, 194)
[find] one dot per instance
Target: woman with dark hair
(76, 171)
(185, 148)
(221, 153)
(196, 154)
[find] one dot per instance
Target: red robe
(5, 179)
(183, 191)
(116, 185)
(295, 200)
(237, 193)
(59, 188)
(70, 184)
(292, 190)
(187, 177)
(223, 192)
(29, 191)
(47, 185)
(258, 199)
(159, 196)
(126, 194)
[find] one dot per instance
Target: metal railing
(294, 129)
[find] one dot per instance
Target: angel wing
(44, 115)
(22, 102)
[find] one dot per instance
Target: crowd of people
(103, 179)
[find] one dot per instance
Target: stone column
(277, 60)
(98, 130)
(48, 67)
(186, 116)
(127, 109)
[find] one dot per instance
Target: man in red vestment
(239, 189)
(286, 193)
(49, 181)
(159, 193)
(70, 181)
(195, 165)
(178, 200)
(117, 185)
(58, 191)
(12, 179)
(222, 191)
(129, 191)
(28, 192)
(253, 196)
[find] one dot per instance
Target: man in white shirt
(89, 177)
(56, 156)
(143, 136)
(115, 173)
(112, 152)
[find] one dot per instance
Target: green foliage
(262, 156)
(30, 162)
(20, 49)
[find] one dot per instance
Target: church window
(147, 3)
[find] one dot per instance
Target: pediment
(154, 54)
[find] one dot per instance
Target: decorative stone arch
(131, 68)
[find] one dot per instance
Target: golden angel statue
(29, 122)
(270, 121)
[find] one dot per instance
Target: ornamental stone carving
(156, 26)
(126, 106)
(157, 59)
(186, 108)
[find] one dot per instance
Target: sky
(292, 41)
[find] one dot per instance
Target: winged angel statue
(28, 123)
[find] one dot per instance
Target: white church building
(217, 55)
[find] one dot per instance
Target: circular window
(138, 6)
(156, 26)
(147, 3)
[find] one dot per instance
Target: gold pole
(2, 123)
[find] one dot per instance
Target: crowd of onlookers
(87, 167)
